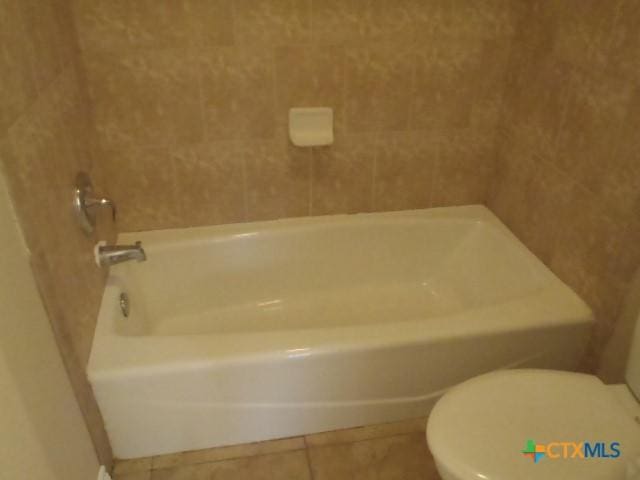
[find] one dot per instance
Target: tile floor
(394, 451)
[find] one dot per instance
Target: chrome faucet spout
(113, 254)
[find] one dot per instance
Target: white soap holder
(311, 127)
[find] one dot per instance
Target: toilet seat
(479, 429)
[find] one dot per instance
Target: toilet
(539, 424)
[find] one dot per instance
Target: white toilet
(482, 428)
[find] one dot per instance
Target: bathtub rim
(114, 355)
(472, 214)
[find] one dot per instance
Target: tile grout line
(434, 172)
(206, 462)
(312, 154)
(374, 174)
(234, 457)
(308, 456)
(366, 439)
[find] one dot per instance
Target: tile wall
(191, 100)
(568, 171)
(45, 124)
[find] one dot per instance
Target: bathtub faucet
(113, 254)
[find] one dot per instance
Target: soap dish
(311, 127)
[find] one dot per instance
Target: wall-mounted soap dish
(311, 127)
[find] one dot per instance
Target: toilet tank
(632, 374)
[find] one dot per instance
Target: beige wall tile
(28, 145)
(343, 176)
(42, 151)
(612, 364)
(146, 98)
(272, 22)
(391, 21)
(463, 171)
(338, 21)
(278, 180)
(622, 54)
(569, 111)
(404, 171)
(309, 77)
(45, 49)
(238, 93)
(537, 93)
(224, 70)
(41, 163)
(489, 19)
(595, 116)
(507, 197)
(551, 205)
(142, 182)
(365, 21)
(446, 82)
(379, 82)
(569, 228)
(625, 263)
(621, 180)
(18, 89)
(489, 87)
(176, 186)
(118, 25)
(565, 225)
(209, 184)
(536, 200)
(211, 22)
(66, 37)
(582, 30)
(587, 241)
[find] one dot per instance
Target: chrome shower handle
(104, 202)
(85, 203)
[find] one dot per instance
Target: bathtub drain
(124, 304)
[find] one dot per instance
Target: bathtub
(241, 333)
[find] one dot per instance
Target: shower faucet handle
(104, 202)
(85, 203)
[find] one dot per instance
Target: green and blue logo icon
(534, 451)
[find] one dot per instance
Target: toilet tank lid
(482, 428)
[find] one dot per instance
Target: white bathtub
(248, 332)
